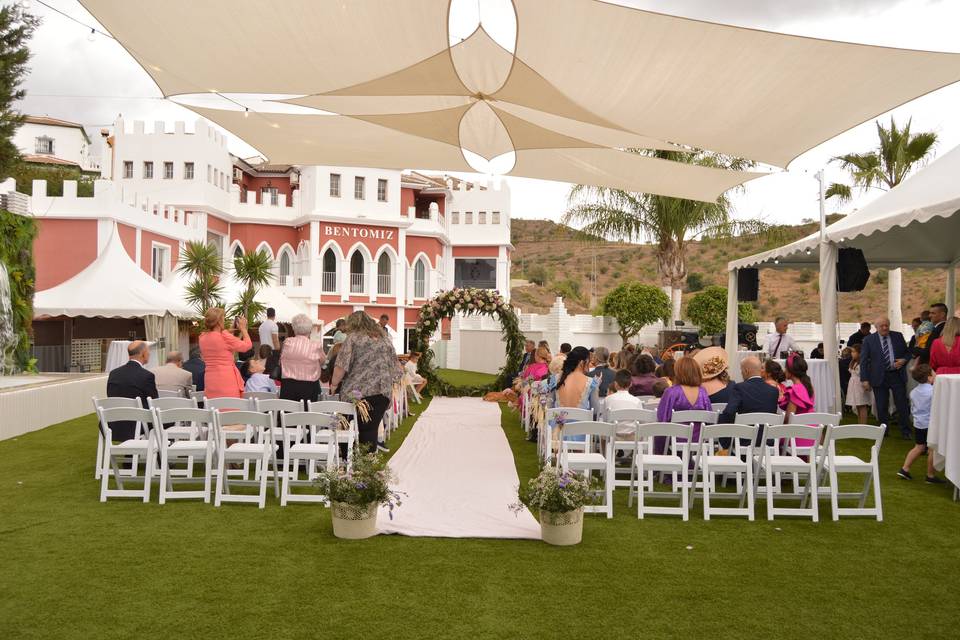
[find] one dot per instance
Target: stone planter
(562, 529)
(352, 522)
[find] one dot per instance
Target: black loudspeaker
(852, 271)
(748, 285)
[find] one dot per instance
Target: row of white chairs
(227, 431)
(760, 447)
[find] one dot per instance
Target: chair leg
(207, 473)
(265, 460)
(99, 468)
(834, 506)
(165, 482)
(876, 493)
(285, 481)
(221, 477)
(813, 491)
(748, 488)
(707, 487)
(685, 500)
(104, 475)
(148, 472)
(769, 490)
(640, 492)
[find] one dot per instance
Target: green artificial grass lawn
(72, 567)
(461, 378)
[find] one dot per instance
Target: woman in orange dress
(218, 347)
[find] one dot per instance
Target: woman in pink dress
(540, 367)
(218, 347)
(797, 398)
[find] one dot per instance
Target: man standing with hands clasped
(780, 341)
(883, 359)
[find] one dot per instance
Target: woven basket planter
(354, 522)
(562, 529)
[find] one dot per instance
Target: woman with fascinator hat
(716, 373)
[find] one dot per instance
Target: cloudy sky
(92, 80)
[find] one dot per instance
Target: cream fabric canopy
(587, 80)
(112, 286)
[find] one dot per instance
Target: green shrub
(880, 276)
(568, 289)
(805, 275)
(708, 310)
(603, 268)
(695, 282)
(538, 274)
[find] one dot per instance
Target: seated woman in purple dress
(798, 397)
(688, 393)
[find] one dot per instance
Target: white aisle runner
(457, 470)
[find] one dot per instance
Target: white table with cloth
(117, 355)
(824, 393)
(944, 434)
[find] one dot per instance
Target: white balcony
(329, 282)
(384, 284)
(356, 283)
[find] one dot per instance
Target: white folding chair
(412, 388)
(297, 429)
(109, 403)
(199, 396)
(600, 436)
(262, 450)
(835, 464)
(178, 431)
(133, 448)
(230, 404)
(718, 407)
(348, 437)
(568, 414)
(691, 417)
(824, 420)
(261, 395)
(172, 449)
(739, 463)
(760, 420)
(626, 421)
(170, 393)
(275, 407)
(675, 463)
(773, 462)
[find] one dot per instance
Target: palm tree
(254, 271)
(667, 222)
(202, 262)
(898, 153)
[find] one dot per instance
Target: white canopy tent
(584, 82)
(916, 224)
(112, 286)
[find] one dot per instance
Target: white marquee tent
(584, 82)
(916, 224)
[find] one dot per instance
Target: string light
(92, 35)
(246, 112)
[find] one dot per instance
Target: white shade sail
(586, 81)
(112, 286)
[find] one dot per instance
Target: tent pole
(828, 299)
(732, 341)
(951, 296)
(894, 298)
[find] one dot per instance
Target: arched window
(302, 266)
(356, 272)
(329, 284)
(420, 279)
(384, 279)
(237, 252)
(284, 278)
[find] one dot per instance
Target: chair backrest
(114, 402)
(778, 432)
(590, 428)
(300, 420)
(715, 431)
(335, 397)
(172, 403)
(251, 418)
(860, 431)
(197, 417)
(694, 415)
(239, 404)
(260, 395)
(718, 406)
(122, 414)
(197, 395)
(170, 393)
(823, 419)
(759, 418)
(668, 429)
(570, 414)
(276, 404)
(332, 406)
(631, 415)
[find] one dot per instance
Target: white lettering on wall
(353, 232)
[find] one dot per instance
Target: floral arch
(471, 302)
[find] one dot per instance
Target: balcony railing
(383, 284)
(419, 289)
(356, 283)
(282, 280)
(329, 283)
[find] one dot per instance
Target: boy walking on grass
(920, 400)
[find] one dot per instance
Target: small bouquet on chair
(362, 406)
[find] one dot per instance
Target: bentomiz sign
(358, 232)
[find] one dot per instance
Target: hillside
(561, 259)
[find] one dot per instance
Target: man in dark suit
(131, 380)
(753, 395)
(883, 359)
(197, 367)
(858, 337)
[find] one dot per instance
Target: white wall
(69, 143)
(495, 197)
(315, 185)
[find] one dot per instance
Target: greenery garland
(16, 252)
(470, 302)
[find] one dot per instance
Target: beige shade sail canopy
(586, 81)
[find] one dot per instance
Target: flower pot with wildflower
(559, 497)
(356, 492)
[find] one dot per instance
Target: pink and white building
(341, 238)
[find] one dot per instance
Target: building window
(215, 240)
(209, 174)
(127, 169)
(384, 275)
(168, 171)
(482, 217)
(334, 185)
(147, 170)
(382, 190)
(237, 252)
(329, 284)
(468, 217)
(419, 279)
(357, 266)
(455, 217)
(161, 258)
(284, 275)
(480, 273)
(495, 217)
(44, 145)
(188, 171)
(359, 187)
(270, 195)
